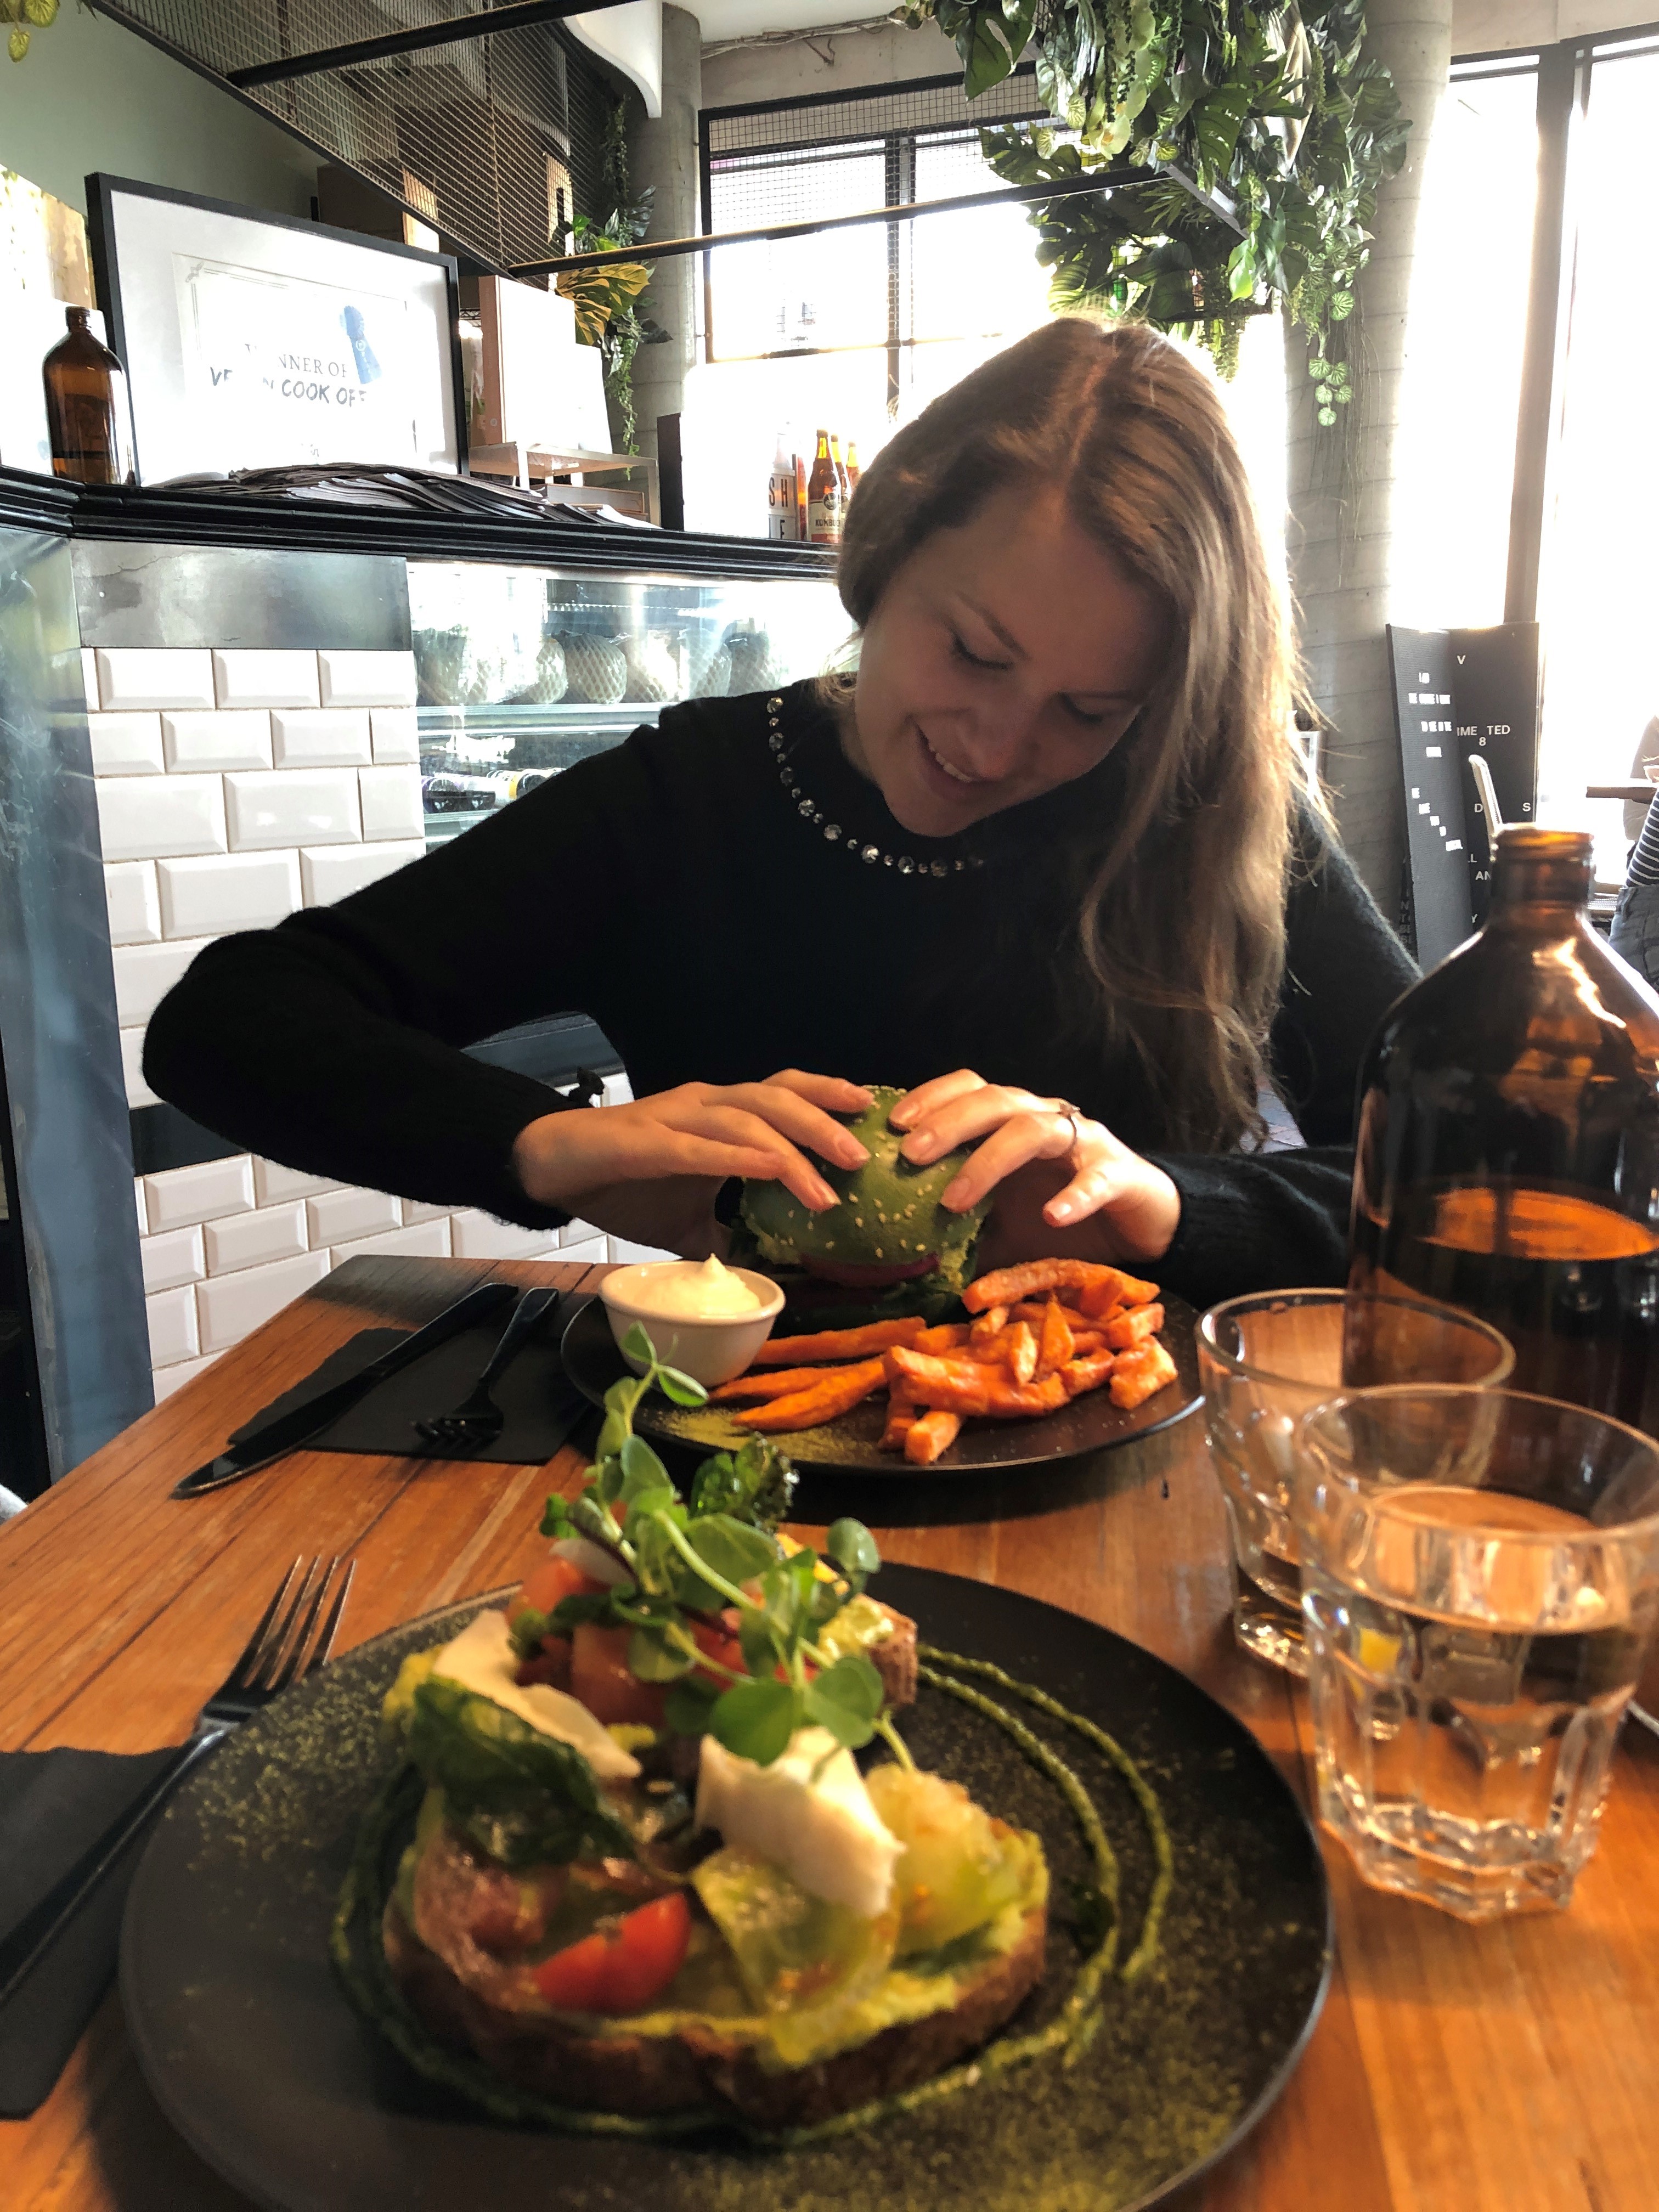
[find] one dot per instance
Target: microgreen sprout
(688, 1567)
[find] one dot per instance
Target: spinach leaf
(520, 1796)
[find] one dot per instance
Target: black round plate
(258, 2059)
(852, 1445)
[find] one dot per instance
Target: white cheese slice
(808, 1813)
(481, 1659)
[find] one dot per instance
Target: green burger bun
(888, 1248)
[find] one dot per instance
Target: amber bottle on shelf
(840, 468)
(88, 416)
(1508, 1157)
(854, 472)
(824, 497)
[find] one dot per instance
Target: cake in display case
(523, 671)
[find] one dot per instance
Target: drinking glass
(1267, 1359)
(1479, 1579)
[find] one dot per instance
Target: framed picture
(261, 341)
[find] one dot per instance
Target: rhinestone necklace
(870, 854)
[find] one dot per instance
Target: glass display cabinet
(523, 671)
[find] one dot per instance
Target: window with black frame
(906, 306)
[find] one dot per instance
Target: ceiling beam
(456, 30)
(1056, 188)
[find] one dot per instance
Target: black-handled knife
(286, 1432)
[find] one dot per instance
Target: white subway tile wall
(227, 890)
(292, 807)
(235, 786)
(239, 738)
(367, 679)
(264, 677)
(169, 1379)
(322, 737)
(335, 872)
(233, 1304)
(253, 1240)
(397, 733)
(127, 744)
(275, 1184)
(141, 820)
(390, 800)
(134, 914)
(167, 676)
(173, 1260)
(343, 1215)
(138, 1091)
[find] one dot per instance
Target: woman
(1046, 861)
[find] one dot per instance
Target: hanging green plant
(606, 315)
(26, 17)
(1271, 107)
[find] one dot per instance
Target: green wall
(90, 95)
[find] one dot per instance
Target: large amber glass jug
(1508, 1138)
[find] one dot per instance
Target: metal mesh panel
(922, 106)
(476, 137)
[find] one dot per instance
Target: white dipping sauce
(691, 1290)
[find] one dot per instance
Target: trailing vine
(607, 315)
(1272, 107)
(26, 17)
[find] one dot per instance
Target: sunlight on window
(1454, 448)
(1598, 599)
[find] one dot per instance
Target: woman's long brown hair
(1181, 917)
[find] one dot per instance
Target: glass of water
(1266, 1360)
(1480, 1580)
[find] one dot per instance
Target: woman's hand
(650, 1169)
(1052, 1172)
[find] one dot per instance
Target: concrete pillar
(664, 155)
(1353, 508)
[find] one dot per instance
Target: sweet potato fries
(1041, 1334)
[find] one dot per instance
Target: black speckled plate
(852, 1445)
(260, 2062)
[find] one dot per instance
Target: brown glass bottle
(841, 477)
(88, 416)
(1508, 1158)
(854, 472)
(824, 497)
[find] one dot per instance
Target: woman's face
(1004, 658)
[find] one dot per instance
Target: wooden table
(1633, 794)
(1508, 2069)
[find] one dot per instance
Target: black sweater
(674, 890)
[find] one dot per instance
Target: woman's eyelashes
(973, 660)
(1080, 715)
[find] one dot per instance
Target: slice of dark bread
(894, 1658)
(702, 2067)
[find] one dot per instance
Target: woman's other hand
(649, 1169)
(1054, 1173)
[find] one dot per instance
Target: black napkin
(53, 1805)
(542, 1405)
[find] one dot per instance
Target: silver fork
(478, 1420)
(285, 1647)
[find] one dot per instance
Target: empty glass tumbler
(1481, 1578)
(1267, 1359)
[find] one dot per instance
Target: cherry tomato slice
(544, 1586)
(601, 1677)
(621, 1968)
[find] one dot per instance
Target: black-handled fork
(285, 1646)
(478, 1420)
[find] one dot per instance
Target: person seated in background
(1635, 932)
(1647, 756)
